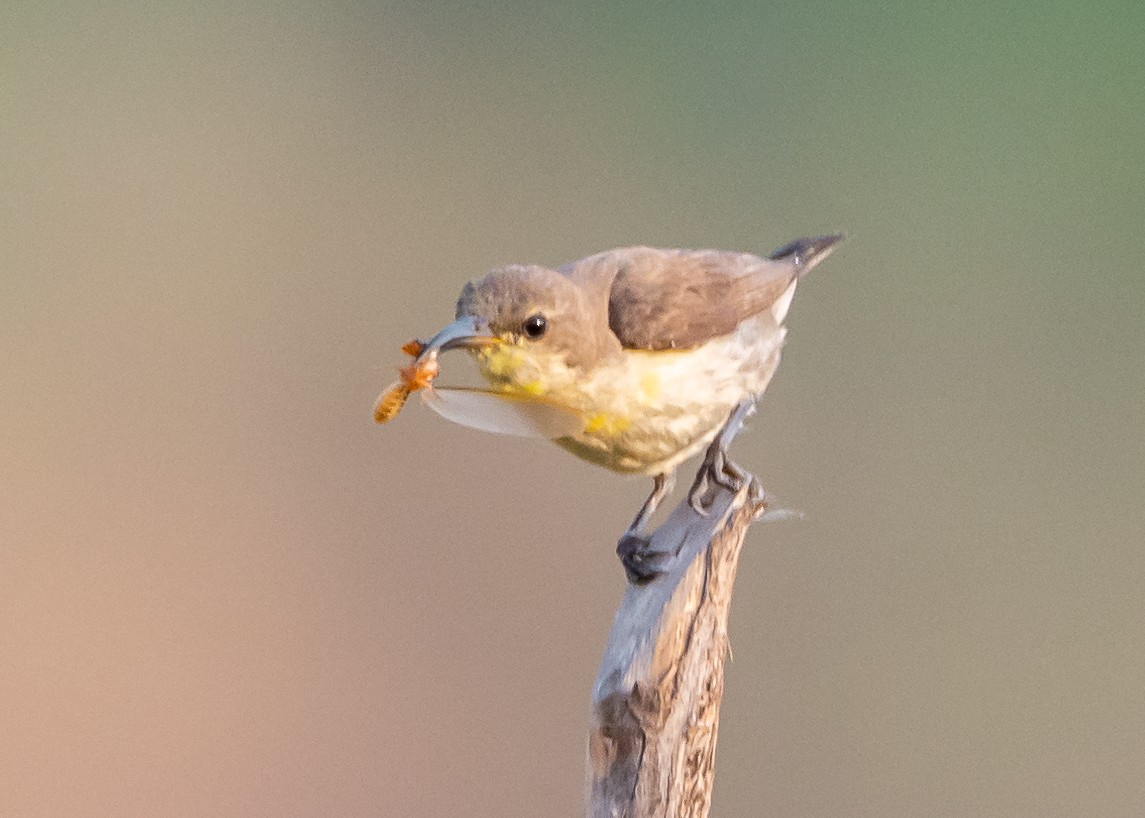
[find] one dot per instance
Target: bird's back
(680, 299)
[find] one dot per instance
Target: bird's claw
(641, 562)
(723, 472)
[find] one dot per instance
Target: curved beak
(466, 332)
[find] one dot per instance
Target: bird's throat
(517, 370)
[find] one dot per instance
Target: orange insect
(417, 375)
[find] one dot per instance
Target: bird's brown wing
(679, 299)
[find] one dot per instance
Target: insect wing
(502, 414)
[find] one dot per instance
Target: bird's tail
(806, 254)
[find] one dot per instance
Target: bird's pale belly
(646, 442)
(649, 411)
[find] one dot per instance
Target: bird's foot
(718, 471)
(642, 563)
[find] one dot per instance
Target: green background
(224, 591)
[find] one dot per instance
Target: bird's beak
(466, 332)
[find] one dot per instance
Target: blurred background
(225, 591)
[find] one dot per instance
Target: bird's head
(529, 326)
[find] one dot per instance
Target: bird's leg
(717, 468)
(642, 563)
(662, 485)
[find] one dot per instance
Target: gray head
(537, 307)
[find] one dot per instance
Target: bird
(632, 358)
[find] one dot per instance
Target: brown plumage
(679, 299)
(647, 298)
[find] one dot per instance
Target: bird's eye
(535, 326)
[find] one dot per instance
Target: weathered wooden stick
(656, 701)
